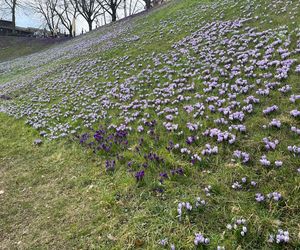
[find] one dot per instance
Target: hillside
(13, 47)
(178, 128)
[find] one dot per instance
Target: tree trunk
(13, 13)
(90, 22)
(71, 31)
(148, 4)
(125, 9)
(104, 18)
(114, 15)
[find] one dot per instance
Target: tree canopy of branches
(66, 11)
(133, 6)
(89, 9)
(111, 7)
(10, 6)
(47, 9)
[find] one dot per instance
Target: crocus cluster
(264, 161)
(207, 190)
(278, 163)
(259, 197)
(285, 89)
(270, 145)
(209, 150)
(163, 176)
(271, 109)
(140, 128)
(164, 242)
(280, 237)
(200, 202)
(243, 182)
(110, 165)
(294, 98)
(236, 185)
(139, 175)
(188, 207)
(275, 196)
(200, 239)
(294, 149)
(191, 139)
(243, 156)
(221, 136)
(295, 113)
(239, 127)
(239, 224)
(178, 171)
(275, 123)
(170, 126)
(237, 116)
(153, 157)
(181, 206)
(192, 126)
(295, 130)
(195, 158)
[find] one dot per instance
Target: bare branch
(89, 9)
(111, 7)
(47, 9)
(66, 12)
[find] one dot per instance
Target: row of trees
(62, 13)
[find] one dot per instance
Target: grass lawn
(14, 47)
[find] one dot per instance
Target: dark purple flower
(140, 175)
(110, 165)
(84, 138)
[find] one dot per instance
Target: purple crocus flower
(295, 113)
(200, 240)
(140, 175)
(110, 165)
(280, 237)
(259, 197)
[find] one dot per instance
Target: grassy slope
(58, 196)
(13, 47)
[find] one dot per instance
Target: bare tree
(125, 8)
(10, 6)
(47, 9)
(66, 12)
(111, 7)
(131, 7)
(89, 9)
(3, 9)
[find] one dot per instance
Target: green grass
(58, 195)
(13, 47)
